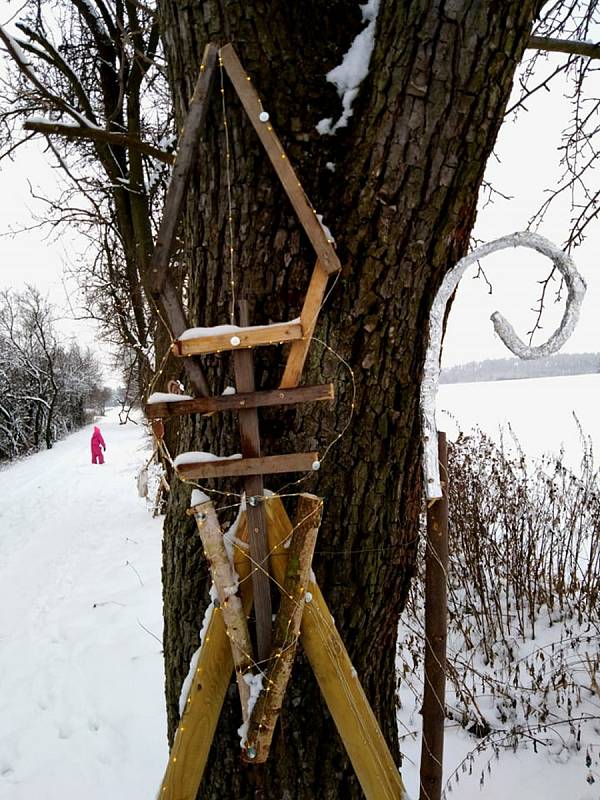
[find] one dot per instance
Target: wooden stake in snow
(436, 626)
(226, 584)
(287, 630)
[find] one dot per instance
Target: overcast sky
(527, 166)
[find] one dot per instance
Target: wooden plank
(186, 155)
(235, 402)
(308, 319)
(196, 730)
(243, 363)
(239, 339)
(253, 107)
(226, 584)
(337, 678)
(169, 302)
(286, 630)
(265, 465)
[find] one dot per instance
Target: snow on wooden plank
(201, 341)
(265, 465)
(201, 457)
(260, 120)
(179, 405)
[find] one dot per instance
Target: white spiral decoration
(429, 387)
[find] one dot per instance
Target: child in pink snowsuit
(97, 444)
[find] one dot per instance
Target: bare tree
(45, 386)
(88, 76)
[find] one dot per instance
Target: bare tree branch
(570, 46)
(100, 135)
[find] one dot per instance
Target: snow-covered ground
(81, 681)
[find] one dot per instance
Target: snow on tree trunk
(398, 188)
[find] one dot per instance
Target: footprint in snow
(65, 731)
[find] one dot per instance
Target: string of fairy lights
(302, 597)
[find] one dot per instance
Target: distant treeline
(48, 387)
(506, 369)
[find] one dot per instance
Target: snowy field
(540, 412)
(81, 682)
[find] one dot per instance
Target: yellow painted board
(367, 749)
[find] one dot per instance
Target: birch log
(226, 584)
(287, 630)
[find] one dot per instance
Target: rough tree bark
(401, 203)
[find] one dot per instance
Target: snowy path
(81, 682)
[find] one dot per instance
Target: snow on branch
(429, 387)
(348, 75)
(572, 47)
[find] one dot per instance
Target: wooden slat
(194, 736)
(279, 159)
(241, 400)
(243, 363)
(266, 465)
(186, 155)
(308, 319)
(248, 337)
(337, 678)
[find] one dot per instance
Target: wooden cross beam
(248, 467)
(236, 338)
(241, 400)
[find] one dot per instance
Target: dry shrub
(523, 586)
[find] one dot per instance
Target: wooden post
(226, 584)
(436, 625)
(286, 630)
(253, 484)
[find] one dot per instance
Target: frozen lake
(540, 411)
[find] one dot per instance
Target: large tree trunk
(401, 204)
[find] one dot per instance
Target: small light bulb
(316, 465)
(263, 116)
(235, 341)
